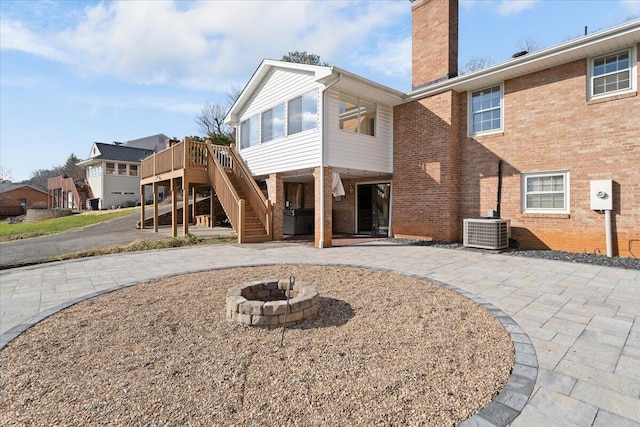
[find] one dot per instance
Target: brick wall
(425, 165)
(435, 40)
(550, 125)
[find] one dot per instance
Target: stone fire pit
(263, 303)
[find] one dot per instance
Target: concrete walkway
(583, 320)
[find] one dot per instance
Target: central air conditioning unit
(486, 233)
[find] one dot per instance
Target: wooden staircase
(253, 230)
(196, 162)
(246, 207)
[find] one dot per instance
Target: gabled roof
(599, 43)
(324, 75)
(116, 153)
(10, 186)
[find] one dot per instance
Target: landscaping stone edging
(499, 413)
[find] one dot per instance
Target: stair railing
(255, 198)
(233, 205)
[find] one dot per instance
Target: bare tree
(211, 124)
(5, 175)
(528, 45)
(69, 169)
(233, 94)
(475, 64)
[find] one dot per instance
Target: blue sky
(75, 72)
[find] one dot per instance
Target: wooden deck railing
(190, 155)
(229, 159)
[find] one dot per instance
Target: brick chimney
(435, 41)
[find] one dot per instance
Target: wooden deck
(196, 164)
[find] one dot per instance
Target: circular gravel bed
(384, 349)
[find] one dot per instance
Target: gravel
(384, 349)
(584, 258)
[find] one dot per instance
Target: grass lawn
(23, 230)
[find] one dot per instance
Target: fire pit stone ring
(264, 303)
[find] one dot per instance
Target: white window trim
(470, 132)
(358, 131)
(318, 109)
(633, 65)
(567, 192)
(286, 135)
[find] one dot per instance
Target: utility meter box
(602, 195)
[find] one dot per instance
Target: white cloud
(503, 7)
(393, 58)
(632, 7)
(14, 36)
(206, 44)
(512, 7)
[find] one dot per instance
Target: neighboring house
(113, 171)
(16, 198)
(68, 193)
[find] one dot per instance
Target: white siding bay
(355, 151)
(293, 152)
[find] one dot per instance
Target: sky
(75, 72)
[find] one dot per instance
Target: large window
(612, 73)
(110, 169)
(94, 170)
(122, 169)
(546, 192)
(302, 113)
(273, 123)
(485, 112)
(249, 132)
(357, 115)
(133, 170)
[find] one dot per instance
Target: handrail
(229, 199)
(256, 199)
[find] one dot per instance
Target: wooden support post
(174, 207)
(142, 205)
(212, 210)
(240, 229)
(194, 210)
(185, 206)
(155, 207)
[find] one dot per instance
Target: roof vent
(519, 54)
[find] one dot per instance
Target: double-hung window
(249, 135)
(302, 113)
(273, 123)
(612, 73)
(545, 192)
(357, 115)
(485, 110)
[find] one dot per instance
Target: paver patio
(582, 319)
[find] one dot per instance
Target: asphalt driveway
(116, 232)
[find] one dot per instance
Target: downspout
(324, 125)
(499, 188)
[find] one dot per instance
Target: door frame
(374, 182)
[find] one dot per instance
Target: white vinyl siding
(297, 151)
(352, 150)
